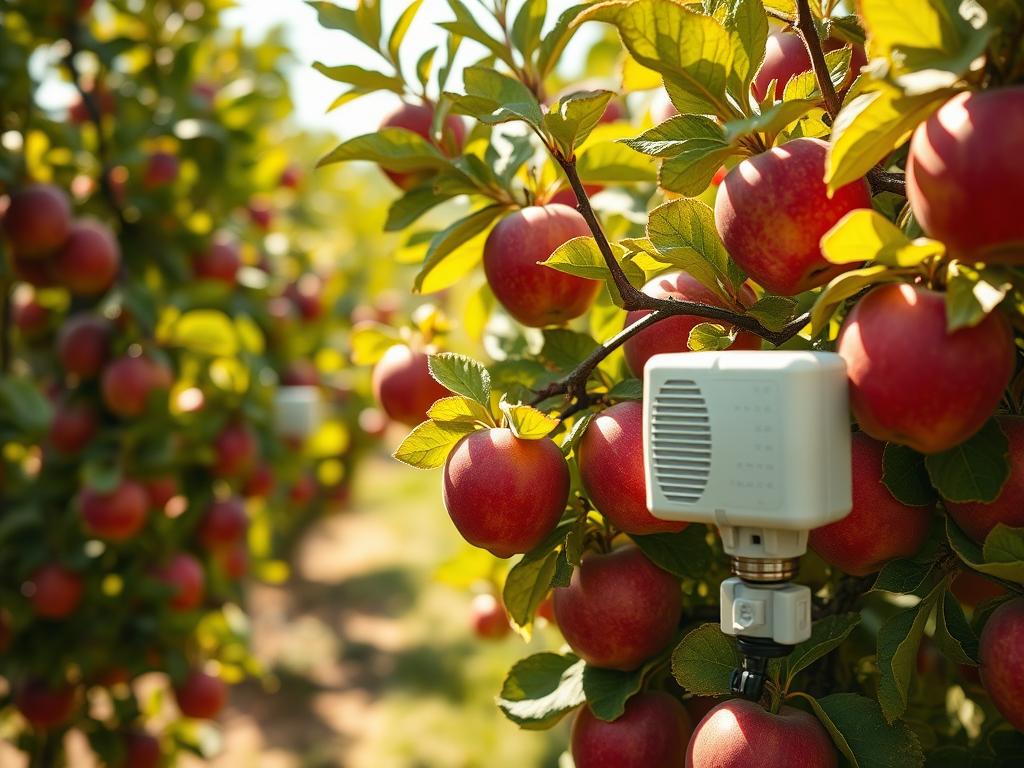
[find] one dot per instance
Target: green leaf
(424, 65)
(570, 120)
(562, 577)
(870, 126)
(608, 690)
(367, 79)
(395, 149)
(527, 423)
(581, 257)
(846, 286)
(773, 312)
(204, 331)
(709, 337)
(770, 121)
(368, 19)
(905, 475)
(1004, 553)
(458, 408)
(574, 435)
(528, 25)
(465, 25)
(953, 633)
(554, 42)
(101, 476)
(866, 235)
(971, 294)
(463, 376)
(25, 406)
(369, 341)
(529, 580)
(605, 162)
(671, 138)
(686, 554)
(401, 27)
(542, 689)
(493, 98)
(860, 731)
(428, 445)
(405, 211)
(903, 576)
(691, 51)
(690, 172)
(826, 635)
(627, 389)
(975, 470)
(448, 241)
(565, 348)
(331, 16)
(898, 641)
(747, 25)
(805, 85)
(703, 662)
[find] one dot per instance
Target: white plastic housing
(298, 411)
(757, 443)
(781, 613)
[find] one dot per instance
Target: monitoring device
(298, 411)
(758, 445)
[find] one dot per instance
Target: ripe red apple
(300, 373)
(78, 112)
(546, 610)
(261, 212)
(418, 119)
(83, 344)
(74, 426)
(306, 295)
(117, 515)
(619, 610)
(672, 335)
(45, 707)
(58, 591)
(235, 560)
(224, 524)
(221, 261)
(488, 618)
(880, 528)
(291, 177)
(965, 175)
(38, 221)
(1002, 663)
(127, 382)
(505, 494)
(534, 295)
(141, 750)
(30, 317)
(772, 211)
(87, 265)
(611, 462)
(186, 573)
(977, 519)
(304, 488)
(403, 386)
(651, 733)
(161, 490)
(201, 696)
(260, 483)
(237, 451)
(786, 57)
(913, 383)
(566, 196)
(742, 734)
(161, 170)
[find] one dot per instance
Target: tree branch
(883, 181)
(804, 25)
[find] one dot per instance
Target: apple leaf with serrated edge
(463, 376)
(627, 389)
(898, 642)
(428, 445)
(704, 661)
(866, 235)
(773, 312)
(526, 422)
(459, 408)
(608, 690)
(542, 689)
(903, 576)
(826, 635)
(686, 554)
(905, 475)
(529, 580)
(571, 119)
(974, 470)
(953, 633)
(706, 337)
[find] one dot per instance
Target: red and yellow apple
(652, 733)
(403, 386)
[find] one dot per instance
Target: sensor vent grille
(681, 441)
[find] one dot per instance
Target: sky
(313, 92)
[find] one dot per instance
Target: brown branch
(804, 26)
(883, 181)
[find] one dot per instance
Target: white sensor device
(757, 444)
(298, 411)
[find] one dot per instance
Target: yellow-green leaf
(458, 408)
(843, 287)
(428, 445)
(370, 340)
(206, 331)
(866, 235)
(527, 423)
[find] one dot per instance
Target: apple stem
(804, 25)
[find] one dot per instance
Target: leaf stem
(804, 25)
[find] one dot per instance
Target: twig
(883, 181)
(804, 25)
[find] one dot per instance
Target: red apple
(403, 386)
(141, 750)
(418, 119)
(488, 618)
(505, 494)
(128, 382)
(566, 196)
(880, 528)
(306, 295)
(786, 57)
(913, 383)
(304, 489)
(672, 335)
(161, 490)
(201, 696)
(117, 515)
(224, 524)
(611, 461)
(300, 373)
(535, 295)
(45, 707)
(291, 177)
(221, 261)
(742, 734)
(261, 212)
(651, 733)
(38, 221)
(260, 483)
(186, 573)
(1002, 662)
(83, 344)
(772, 211)
(965, 175)
(235, 560)
(237, 451)
(73, 428)
(161, 170)
(619, 610)
(87, 265)
(58, 591)
(30, 317)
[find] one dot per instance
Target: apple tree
(750, 175)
